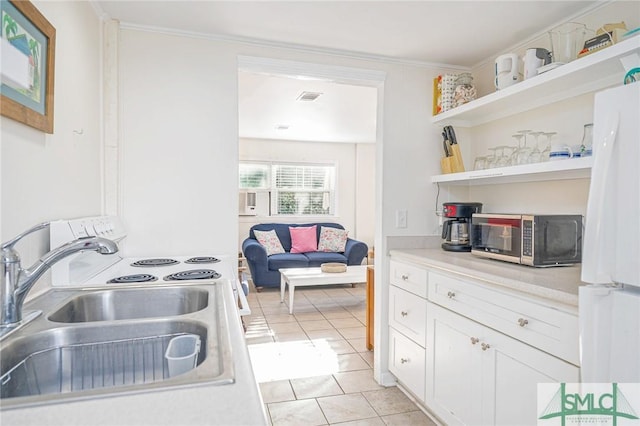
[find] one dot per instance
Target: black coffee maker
(455, 232)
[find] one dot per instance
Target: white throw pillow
(332, 239)
(270, 241)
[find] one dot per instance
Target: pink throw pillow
(303, 239)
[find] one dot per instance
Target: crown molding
(291, 46)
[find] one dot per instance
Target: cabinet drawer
(544, 327)
(408, 314)
(407, 363)
(408, 277)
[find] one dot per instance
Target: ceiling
(446, 32)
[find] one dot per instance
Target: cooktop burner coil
(195, 274)
(136, 278)
(154, 262)
(202, 259)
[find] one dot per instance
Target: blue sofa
(264, 269)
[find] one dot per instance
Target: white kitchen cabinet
(454, 368)
(408, 314)
(408, 277)
(544, 327)
(474, 352)
(407, 362)
(407, 326)
(513, 371)
(476, 375)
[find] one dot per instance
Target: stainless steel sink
(124, 304)
(77, 358)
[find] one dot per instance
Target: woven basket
(333, 267)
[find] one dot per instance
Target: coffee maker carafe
(455, 232)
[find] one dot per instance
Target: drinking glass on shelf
(524, 133)
(536, 155)
(547, 149)
(492, 158)
(504, 158)
(480, 163)
(522, 154)
(514, 154)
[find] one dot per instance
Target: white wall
(365, 194)
(179, 142)
(53, 176)
(354, 181)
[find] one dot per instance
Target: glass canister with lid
(465, 91)
(586, 146)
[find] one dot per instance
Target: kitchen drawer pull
(404, 313)
(451, 294)
(404, 277)
(485, 346)
(522, 322)
(404, 360)
(474, 340)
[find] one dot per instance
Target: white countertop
(239, 403)
(557, 284)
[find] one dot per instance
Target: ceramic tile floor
(313, 367)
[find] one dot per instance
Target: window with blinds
(295, 189)
(254, 176)
(302, 189)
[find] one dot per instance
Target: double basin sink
(100, 342)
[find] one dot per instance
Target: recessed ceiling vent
(282, 127)
(308, 96)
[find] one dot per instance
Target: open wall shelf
(583, 75)
(574, 168)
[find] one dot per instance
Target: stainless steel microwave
(534, 240)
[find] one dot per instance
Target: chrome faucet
(16, 281)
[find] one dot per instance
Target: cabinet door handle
(404, 313)
(523, 322)
(404, 277)
(485, 346)
(451, 294)
(474, 340)
(404, 360)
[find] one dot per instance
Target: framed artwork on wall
(28, 65)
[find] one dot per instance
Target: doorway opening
(299, 118)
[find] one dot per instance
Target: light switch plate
(401, 218)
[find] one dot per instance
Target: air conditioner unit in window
(247, 205)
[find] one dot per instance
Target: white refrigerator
(609, 302)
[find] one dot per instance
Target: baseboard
(420, 405)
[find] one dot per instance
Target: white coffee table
(299, 277)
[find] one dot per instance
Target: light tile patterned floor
(313, 366)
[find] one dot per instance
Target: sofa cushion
(303, 239)
(332, 239)
(270, 241)
(287, 260)
(317, 258)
